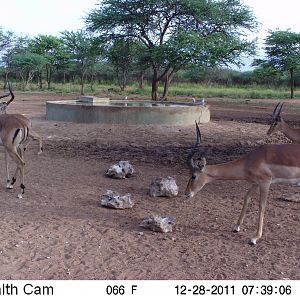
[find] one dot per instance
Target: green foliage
(47, 45)
(178, 91)
(6, 38)
(176, 33)
(283, 50)
(26, 64)
(51, 48)
(283, 54)
(83, 49)
(187, 42)
(121, 55)
(233, 92)
(13, 44)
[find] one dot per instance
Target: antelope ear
(202, 163)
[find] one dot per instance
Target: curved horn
(279, 111)
(274, 111)
(3, 96)
(190, 160)
(11, 93)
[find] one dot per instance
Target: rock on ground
(164, 187)
(114, 200)
(121, 170)
(158, 223)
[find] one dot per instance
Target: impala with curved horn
(278, 124)
(15, 129)
(261, 167)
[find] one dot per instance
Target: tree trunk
(154, 92)
(5, 80)
(292, 82)
(123, 80)
(141, 80)
(92, 81)
(167, 83)
(49, 79)
(81, 86)
(48, 75)
(26, 79)
(40, 80)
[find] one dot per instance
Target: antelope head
(197, 169)
(277, 120)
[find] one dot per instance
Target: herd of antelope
(263, 166)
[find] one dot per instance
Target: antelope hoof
(9, 186)
(252, 242)
(189, 195)
(41, 151)
(20, 196)
(236, 228)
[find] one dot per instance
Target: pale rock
(164, 187)
(158, 223)
(121, 170)
(113, 199)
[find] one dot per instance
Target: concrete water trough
(103, 110)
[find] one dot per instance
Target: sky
(49, 17)
(275, 15)
(34, 17)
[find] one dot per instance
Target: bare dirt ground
(60, 231)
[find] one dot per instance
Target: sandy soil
(60, 231)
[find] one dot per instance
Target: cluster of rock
(160, 187)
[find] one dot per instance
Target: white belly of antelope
(286, 174)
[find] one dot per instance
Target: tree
(141, 62)
(26, 64)
(6, 38)
(265, 74)
(51, 48)
(121, 55)
(282, 54)
(83, 49)
(177, 32)
(17, 45)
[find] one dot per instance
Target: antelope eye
(193, 177)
